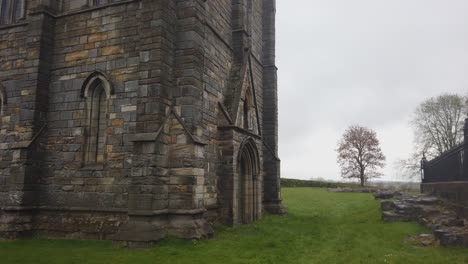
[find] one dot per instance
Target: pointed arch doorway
(248, 198)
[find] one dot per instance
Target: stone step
(428, 200)
(385, 194)
(452, 236)
(391, 216)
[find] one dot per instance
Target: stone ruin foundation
(443, 218)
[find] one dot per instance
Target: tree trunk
(362, 178)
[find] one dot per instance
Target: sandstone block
(111, 50)
(78, 55)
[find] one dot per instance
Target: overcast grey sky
(367, 62)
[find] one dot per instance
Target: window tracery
(11, 11)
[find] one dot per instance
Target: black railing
(446, 168)
(450, 166)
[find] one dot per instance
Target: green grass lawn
(321, 227)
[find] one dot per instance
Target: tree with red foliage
(359, 154)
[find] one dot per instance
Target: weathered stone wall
(26, 51)
(104, 40)
(14, 63)
(218, 56)
(271, 166)
(247, 39)
(176, 75)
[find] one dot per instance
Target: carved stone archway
(248, 195)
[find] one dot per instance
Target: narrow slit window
(97, 126)
(247, 111)
(246, 114)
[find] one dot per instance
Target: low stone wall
(455, 192)
(351, 190)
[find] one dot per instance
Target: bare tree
(438, 124)
(438, 127)
(359, 154)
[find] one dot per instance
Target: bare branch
(438, 127)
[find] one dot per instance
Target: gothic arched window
(11, 11)
(97, 126)
(97, 91)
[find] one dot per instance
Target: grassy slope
(321, 227)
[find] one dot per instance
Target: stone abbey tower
(131, 120)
